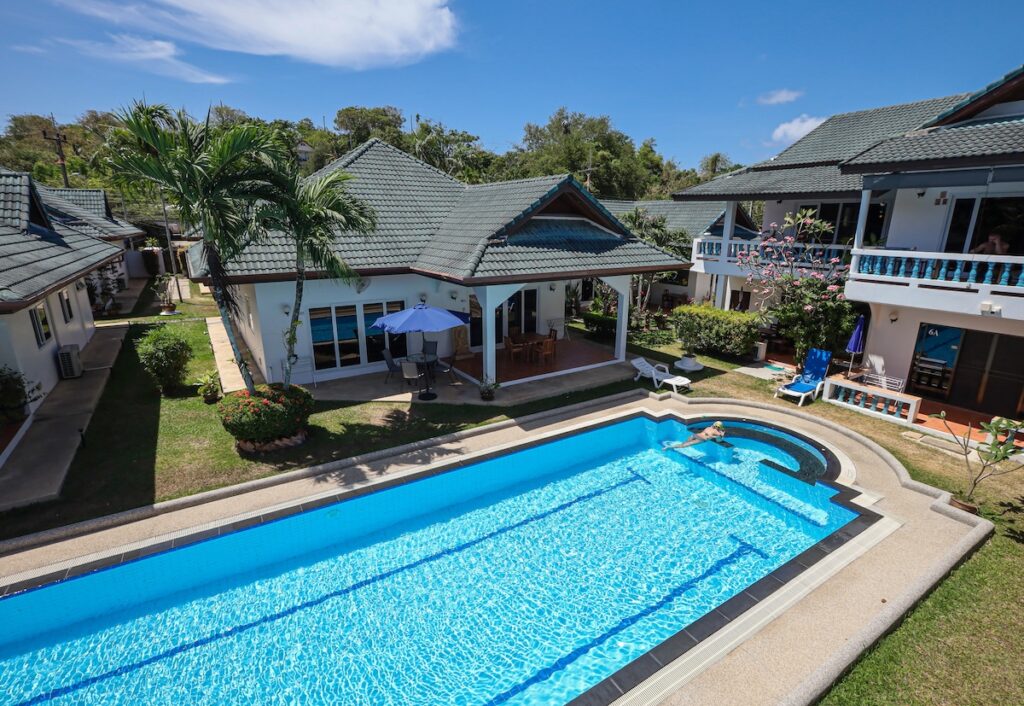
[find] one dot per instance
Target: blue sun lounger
(811, 381)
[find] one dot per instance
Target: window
(41, 324)
(843, 217)
(321, 327)
(397, 342)
(376, 339)
(990, 225)
(65, 306)
(347, 326)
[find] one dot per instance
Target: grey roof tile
(694, 217)
(427, 221)
(33, 257)
(777, 183)
(84, 219)
(990, 139)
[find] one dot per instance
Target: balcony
(708, 254)
(992, 285)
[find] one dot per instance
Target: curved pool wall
(570, 560)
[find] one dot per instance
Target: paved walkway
(230, 377)
(36, 469)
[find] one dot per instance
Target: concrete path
(230, 377)
(372, 388)
(36, 469)
(130, 296)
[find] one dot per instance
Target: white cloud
(28, 48)
(351, 34)
(779, 96)
(795, 129)
(154, 55)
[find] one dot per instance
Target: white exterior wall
(18, 348)
(249, 324)
(889, 348)
(270, 321)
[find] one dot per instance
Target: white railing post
(862, 226)
(728, 227)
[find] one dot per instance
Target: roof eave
(930, 164)
(13, 305)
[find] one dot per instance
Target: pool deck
(787, 649)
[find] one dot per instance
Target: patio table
(426, 360)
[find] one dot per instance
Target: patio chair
(429, 347)
(393, 367)
(546, 350)
(443, 366)
(514, 349)
(659, 375)
(811, 381)
(412, 373)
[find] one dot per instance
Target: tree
(652, 230)
(715, 164)
(454, 152)
(997, 456)
(313, 212)
(213, 176)
(800, 285)
(359, 124)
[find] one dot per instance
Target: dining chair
(411, 373)
(512, 350)
(393, 367)
(430, 347)
(546, 350)
(443, 366)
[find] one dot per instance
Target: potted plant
(16, 394)
(488, 388)
(165, 294)
(998, 455)
(209, 387)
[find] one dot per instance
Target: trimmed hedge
(599, 324)
(705, 329)
(652, 337)
(273, 412)
(165, 354)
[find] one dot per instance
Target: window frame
(65, 306)
(42, 329)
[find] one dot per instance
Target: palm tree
(312, 211)
(212, 175)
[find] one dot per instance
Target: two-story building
(927, 200)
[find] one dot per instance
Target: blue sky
(741, 77)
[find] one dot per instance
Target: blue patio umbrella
(856, 342)
(419, 319)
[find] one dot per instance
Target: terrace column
(728, 228)
(623, 285)
(490, 298)
(862, 226)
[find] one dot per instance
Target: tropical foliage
(800, 284)
(313, 211)
(998, 455)
(212, 174)
(16, 393)
(653, 230)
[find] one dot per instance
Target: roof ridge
(897, 105)
(523, 180)
(347, 159)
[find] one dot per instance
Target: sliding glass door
(344, 336)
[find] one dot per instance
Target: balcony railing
(803, 254)
(954, 271)
(868, 399)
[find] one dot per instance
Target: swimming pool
(528, 577)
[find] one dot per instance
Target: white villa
(928, 198)
(497, 255)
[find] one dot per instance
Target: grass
(962, 645)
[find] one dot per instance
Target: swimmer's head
(719, 426)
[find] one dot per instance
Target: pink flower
(773, 225)
(832, 287)
(841, 297)
(834, 261)
(808, 308)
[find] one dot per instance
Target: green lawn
(962, 645)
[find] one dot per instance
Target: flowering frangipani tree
(799, 281)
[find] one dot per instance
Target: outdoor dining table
(426, 360)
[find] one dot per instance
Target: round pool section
(570, 567)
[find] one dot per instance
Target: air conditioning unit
(70, 361)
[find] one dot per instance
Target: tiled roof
(61, 210)
(14, 199)
(975, 101)
(92, 200)
(427, 221)
(563, 245)
(694, 217)
(983, 141)
(34, 258)
(846, 134)
(810, 165)
(777, 183)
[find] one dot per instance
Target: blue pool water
(525, 578)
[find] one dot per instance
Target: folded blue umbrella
(856, 342)
(420, 318)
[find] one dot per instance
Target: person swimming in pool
(711, 433)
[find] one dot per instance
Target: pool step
(767, 491)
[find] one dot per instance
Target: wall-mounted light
(362, 285)
(894, 316)
(921, 193)
(423, 297)
(286, 309)
(551, 287)
(454, 294)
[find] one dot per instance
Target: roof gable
(1008, 88)
(62, 211)
(92, 200)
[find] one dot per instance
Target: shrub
(601, 325)
(273, 412)
(16, 392)
(705, 329)
(165, 354)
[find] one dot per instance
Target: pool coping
(816, 684)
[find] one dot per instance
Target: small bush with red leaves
(273, 412)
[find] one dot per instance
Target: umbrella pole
(426, 395)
